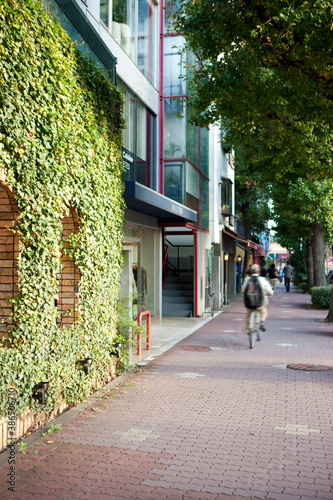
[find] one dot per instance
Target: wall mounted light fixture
(86, 364)
(117, 346)
(39, 392)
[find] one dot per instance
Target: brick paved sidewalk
(210, 419)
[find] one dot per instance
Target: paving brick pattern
(219, 422)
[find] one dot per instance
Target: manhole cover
(310, 368)
(197, 348)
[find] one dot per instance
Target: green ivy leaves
(60, 146)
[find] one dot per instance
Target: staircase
(177, 296)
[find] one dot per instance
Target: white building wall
(204, 244)
(216, 167)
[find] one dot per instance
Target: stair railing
(165, 264)
(175, 268)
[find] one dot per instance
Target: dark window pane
(104, 11)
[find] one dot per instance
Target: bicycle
(254, 330)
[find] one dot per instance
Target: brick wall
(9, 251)
(68, 291)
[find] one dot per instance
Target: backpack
(253, 294)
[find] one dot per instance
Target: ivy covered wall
(60, 157)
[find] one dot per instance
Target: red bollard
(141, 315)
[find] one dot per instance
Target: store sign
(128, 159)
(176, 209)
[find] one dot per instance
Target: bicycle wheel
(253, 337)
(254, 330)
(257, 325)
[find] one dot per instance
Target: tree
(252, 205)
(267, 74)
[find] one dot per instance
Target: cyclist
(266, 289)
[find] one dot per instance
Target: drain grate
(310, 368)
(197, 348)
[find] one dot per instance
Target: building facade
(180, 252)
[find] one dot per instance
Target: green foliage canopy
(267, 74)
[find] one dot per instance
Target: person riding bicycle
(266, 290)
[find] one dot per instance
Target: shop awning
(260, 251)
(238, 237)
(145, 200)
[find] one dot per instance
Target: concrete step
(177, 286)
(181, 313)
(177, 293)
(177, 305)
(180, 279)
(176, 299)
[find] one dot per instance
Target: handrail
(165, 263)
(170, 265)
(144, 314)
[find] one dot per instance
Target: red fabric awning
(237, 236)
(260, 251)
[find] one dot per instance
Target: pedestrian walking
(266, 291)
(273, 276)
(288, 274)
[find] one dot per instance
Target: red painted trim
(177, 96)
(165, 263)
(181, 233)
(196, 296)
(144, 314)
(193, 227)
(161, 105)
(148, 161)
(173, 160)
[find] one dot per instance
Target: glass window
(123, 24)
(128, 135)
(192, 187)
(174, 182)
(129, 117)
(226, 204)
(141, 123)
(145, 38)
(204, 202)
(134, 27)
(170, 9)
(174, 129)
(192, 142)
(204, 151)
(141, 143)
(138, 143)
(82, 45)
(191, 63)
(104, 11)
(173, 66)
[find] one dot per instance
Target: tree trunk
(309, 264)
(247, 249)
(318, 247)
(246, 261)
(329, 317)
